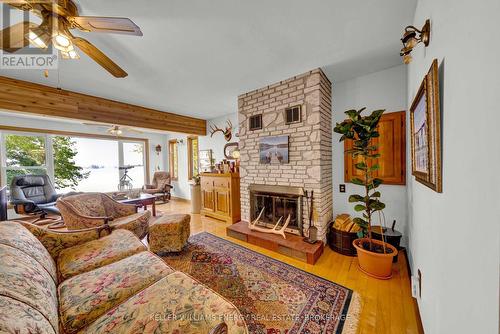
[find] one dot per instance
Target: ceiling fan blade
(117, 25)
(126, 128)
(99, 57)
(14, 38)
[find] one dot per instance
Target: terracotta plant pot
(375, 264)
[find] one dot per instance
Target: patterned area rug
(273, 297)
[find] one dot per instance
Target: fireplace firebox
(277, 202)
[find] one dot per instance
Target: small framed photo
(425, 123)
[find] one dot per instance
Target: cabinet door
(392, 147)
(207, 200)
(222, 201)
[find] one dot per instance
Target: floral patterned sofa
(89, 281)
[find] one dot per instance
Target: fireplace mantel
(276, 189)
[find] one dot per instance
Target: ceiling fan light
(39, 38)
(62, 42)
(73, 54)
(65, 55)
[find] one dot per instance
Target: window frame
(190, 140)
(174, 172)
(49, 152)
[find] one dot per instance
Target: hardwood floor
(387, 305)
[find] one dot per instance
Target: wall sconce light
(158, 148)
(412, 37)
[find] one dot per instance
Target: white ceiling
(197, 56)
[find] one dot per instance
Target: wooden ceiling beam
(28, 97)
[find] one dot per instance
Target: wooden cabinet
(220, 196)
(392, 147)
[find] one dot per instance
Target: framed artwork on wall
(273, 150)
(425, 132)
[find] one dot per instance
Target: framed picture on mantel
(425, 127)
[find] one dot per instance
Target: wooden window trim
(173, 143)
(190, 140)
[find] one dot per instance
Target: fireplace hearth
(277, 202)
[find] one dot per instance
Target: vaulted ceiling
(197, 56)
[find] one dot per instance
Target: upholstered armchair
(96, 209)
(161, 185)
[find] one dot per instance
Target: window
(173, 159)
(255, 122)
(24, 154)
(193, 161)
(81, 163)
(293, 115)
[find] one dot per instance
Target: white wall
(10, 119)
(454, 236)
(215, 143)
(381, 90)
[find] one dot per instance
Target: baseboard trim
(181, 199)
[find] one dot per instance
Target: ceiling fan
(58, 18)
(115, 130)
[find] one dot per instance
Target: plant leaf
(359, 207)
(356, 198)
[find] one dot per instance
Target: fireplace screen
(276, 206)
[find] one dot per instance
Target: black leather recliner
(33, 194)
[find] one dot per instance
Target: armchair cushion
(85, 297)
(97, 253)
(174, 304)
(137, 223)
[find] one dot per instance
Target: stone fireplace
(277, 202)
(280, 186)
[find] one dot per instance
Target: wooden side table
(144, 200)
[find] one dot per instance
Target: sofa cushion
(19, 318)
(97, 253)
(86, 297)
(175, 304)
(15, 235)
(24, 279)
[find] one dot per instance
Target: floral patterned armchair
(88, 210)
(161, 185)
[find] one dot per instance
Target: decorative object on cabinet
(425, 123)
(220, 196)
(410, 40)
(375, 257)
(206, 161)
(392, 149)
(230, 150)
(273, 150)
(228, 132)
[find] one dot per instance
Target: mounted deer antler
(228, 133)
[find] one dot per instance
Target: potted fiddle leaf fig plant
(374, 256)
